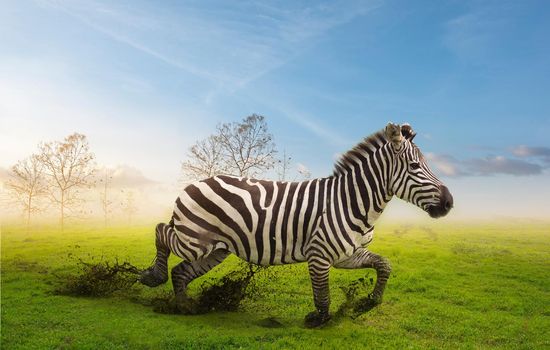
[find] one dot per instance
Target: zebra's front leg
(318, 272)
(362, 258)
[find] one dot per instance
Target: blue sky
(144, 81)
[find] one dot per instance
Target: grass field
(452, 286)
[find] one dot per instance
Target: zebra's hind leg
(318, 272)
(363, 258)
(158, 273)
(185, 272)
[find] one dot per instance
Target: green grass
(452, 286)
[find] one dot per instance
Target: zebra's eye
(415, 166)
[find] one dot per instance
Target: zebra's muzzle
(445, 204)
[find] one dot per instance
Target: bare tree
(104, 186)
(69, 166)
(248, 147)
(205, 159)
(129, 204)
(283, 166)
(241, 149)
(26, 184)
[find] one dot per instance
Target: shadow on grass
(356, 303)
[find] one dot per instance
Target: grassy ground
(452, 286)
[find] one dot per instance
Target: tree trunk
(29, 213)
(105, 206)
(62, 212)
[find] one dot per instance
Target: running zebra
(326, 222)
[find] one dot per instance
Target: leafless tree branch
(69, 166)
(27, 185)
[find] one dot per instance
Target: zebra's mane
(368, 145)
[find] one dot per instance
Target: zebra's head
(411, 179)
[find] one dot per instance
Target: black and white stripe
(326, 222)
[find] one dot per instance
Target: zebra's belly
(272, 252)
(267, 262)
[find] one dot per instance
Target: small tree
(26, 184)
(104, 185)
(283, 166)
(240, 149)
(248, 148)
(69, 167)
(129, 204)
(205, 159)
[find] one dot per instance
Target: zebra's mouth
(436, 211)
(445, 204)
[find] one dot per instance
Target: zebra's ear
(407, 132)
(393, 134)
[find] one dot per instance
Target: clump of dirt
(224, 294)
(356, 303)
(227, 293)
(105, 278)
(98, 279)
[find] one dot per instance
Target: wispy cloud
(226, 45)
(445, 164)
(316, 127)
(483, 166)
(502, 165)
(474, 36)
(105, 20)
(542, 153)
(310, 123)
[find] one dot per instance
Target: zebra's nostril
(448, 205)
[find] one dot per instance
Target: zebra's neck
(363, 191)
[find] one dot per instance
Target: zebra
(324, 222)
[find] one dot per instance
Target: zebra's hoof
(151, 278)
(315, 319)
